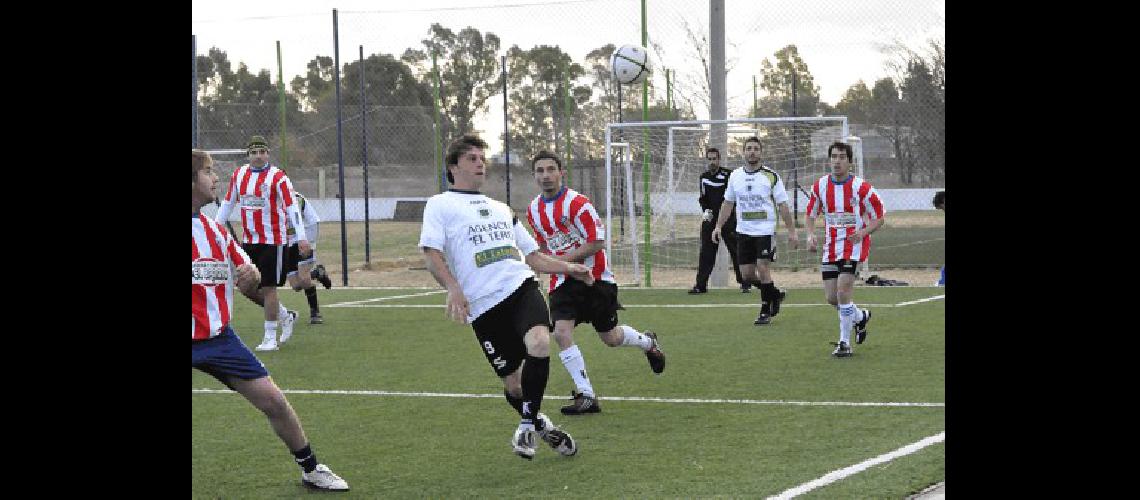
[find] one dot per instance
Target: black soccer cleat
(318, 273)
(861, 327)
(780, 295)
(762, 319)
(654, 355)
(695, 290)
(582, 404)
(745, 288)
(842, 350)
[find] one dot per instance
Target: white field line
(608, 398)
(627, 306)
(919, 301)
(380, 299)
(834, 476)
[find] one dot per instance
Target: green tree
(469, 73)
(317, 82)
(856, 104)
(537, 97)
(776, 82)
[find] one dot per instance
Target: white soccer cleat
(287, 323)
(267, 344)
(323, 479)
(523, 443)
(556, 438)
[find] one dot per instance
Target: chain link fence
(879, 63)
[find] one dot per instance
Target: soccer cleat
(695, 290)
(842, 350)
(287, 326)
(323, 479)
(745, 288)
(582, 404)
(316, 319)
(523, 443)
(762, 319)
(557, 438)
(318, 273)
(654, 355)
(861, 327)
(780, 295)
(267, 344)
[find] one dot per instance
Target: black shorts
(292, 257)
(271, 262)
(501, 329)
(832, 270)
(750, 248)
(584, 303)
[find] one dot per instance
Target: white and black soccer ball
(630, 64)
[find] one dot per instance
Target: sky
(840, 40)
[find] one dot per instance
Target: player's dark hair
(201, 160)
(543, 155)
(940, 199)
(712, 150)
(844, 146)
(460, 146)
(756, 140)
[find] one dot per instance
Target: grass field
(729, 417)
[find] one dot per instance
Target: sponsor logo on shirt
(493, 255)
(209, 272)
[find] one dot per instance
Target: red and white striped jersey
(213, 252)
(263, 196)
(844, 206)
(566, 222)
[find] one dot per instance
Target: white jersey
(309, 219)
(756, 195)
(483, 244)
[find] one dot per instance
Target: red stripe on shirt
(198, 302)
(219, 291)
(246, 235)
(849, 244)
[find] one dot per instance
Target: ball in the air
(630, 64)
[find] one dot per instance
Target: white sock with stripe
(271, 330)
(635, 338)
(847, 318)
(576, 365)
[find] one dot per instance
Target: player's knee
(833, 300)
(538, 342)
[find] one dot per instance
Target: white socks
(633, 337)
(576, 366)
(282, 313)
(848, 316)
(271, 330)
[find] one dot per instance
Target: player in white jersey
(265, 196)
(216, 349)
(474, 247)
(568, 228)
(755, 192)
(844, 200)
(300, 268)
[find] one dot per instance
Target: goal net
(653, 184)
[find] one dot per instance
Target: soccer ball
(630, 64)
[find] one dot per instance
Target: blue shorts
(227, 356)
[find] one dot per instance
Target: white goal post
(652, 185)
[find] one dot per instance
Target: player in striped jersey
(216, 349)
(756, 192)
(473, 246)
(266, 197)
(569, 229)
(844, 200)
(300, 270)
